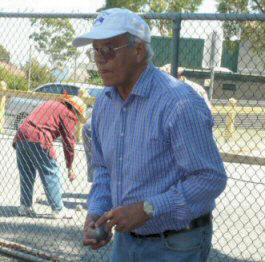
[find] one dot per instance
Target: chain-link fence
(221, 54)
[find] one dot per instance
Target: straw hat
(78, 104)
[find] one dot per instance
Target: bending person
(35, 151)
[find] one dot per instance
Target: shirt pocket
(156, 145)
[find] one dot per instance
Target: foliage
(253, 31)
(4, 55)
(241, 6)
(39, 74)
(53, 37)
(13, 81)
(94, 78)
(156, 6)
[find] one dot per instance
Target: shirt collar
(142, 86)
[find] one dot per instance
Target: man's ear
(141, 52)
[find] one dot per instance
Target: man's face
(115, 60)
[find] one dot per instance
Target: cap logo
(99, 20)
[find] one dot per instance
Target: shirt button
(122, 134)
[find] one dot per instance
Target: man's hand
(124, 218)
(89, 226)
(71, 175)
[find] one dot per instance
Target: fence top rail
(166, 16)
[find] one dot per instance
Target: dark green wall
(230, 55)
(191, 52)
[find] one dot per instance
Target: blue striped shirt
(157, 146)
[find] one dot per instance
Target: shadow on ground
(57, 241)
(64, 238)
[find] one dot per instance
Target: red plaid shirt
(46, 123)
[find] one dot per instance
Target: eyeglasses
(107, 52)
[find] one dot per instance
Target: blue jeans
(192, 246)
(32, 158)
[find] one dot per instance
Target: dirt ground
(238, 218)
(4, 258)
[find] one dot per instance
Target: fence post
(175, 45)
(213, 64)
(230, 119)
(82, 94)
(3, 87)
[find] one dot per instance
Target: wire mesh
(224, 55)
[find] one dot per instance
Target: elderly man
(156, 167)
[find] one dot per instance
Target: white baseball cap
(114, 22)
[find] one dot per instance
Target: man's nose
(100, 59)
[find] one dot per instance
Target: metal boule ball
(99, 233)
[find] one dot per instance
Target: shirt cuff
(171, 203)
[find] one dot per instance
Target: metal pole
(175, 45)
(212, 64)
(30, 64)
(75, 68)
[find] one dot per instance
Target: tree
(38, 74)
(53, 37)
(4, 55)
(156, 6)
(252, 31)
